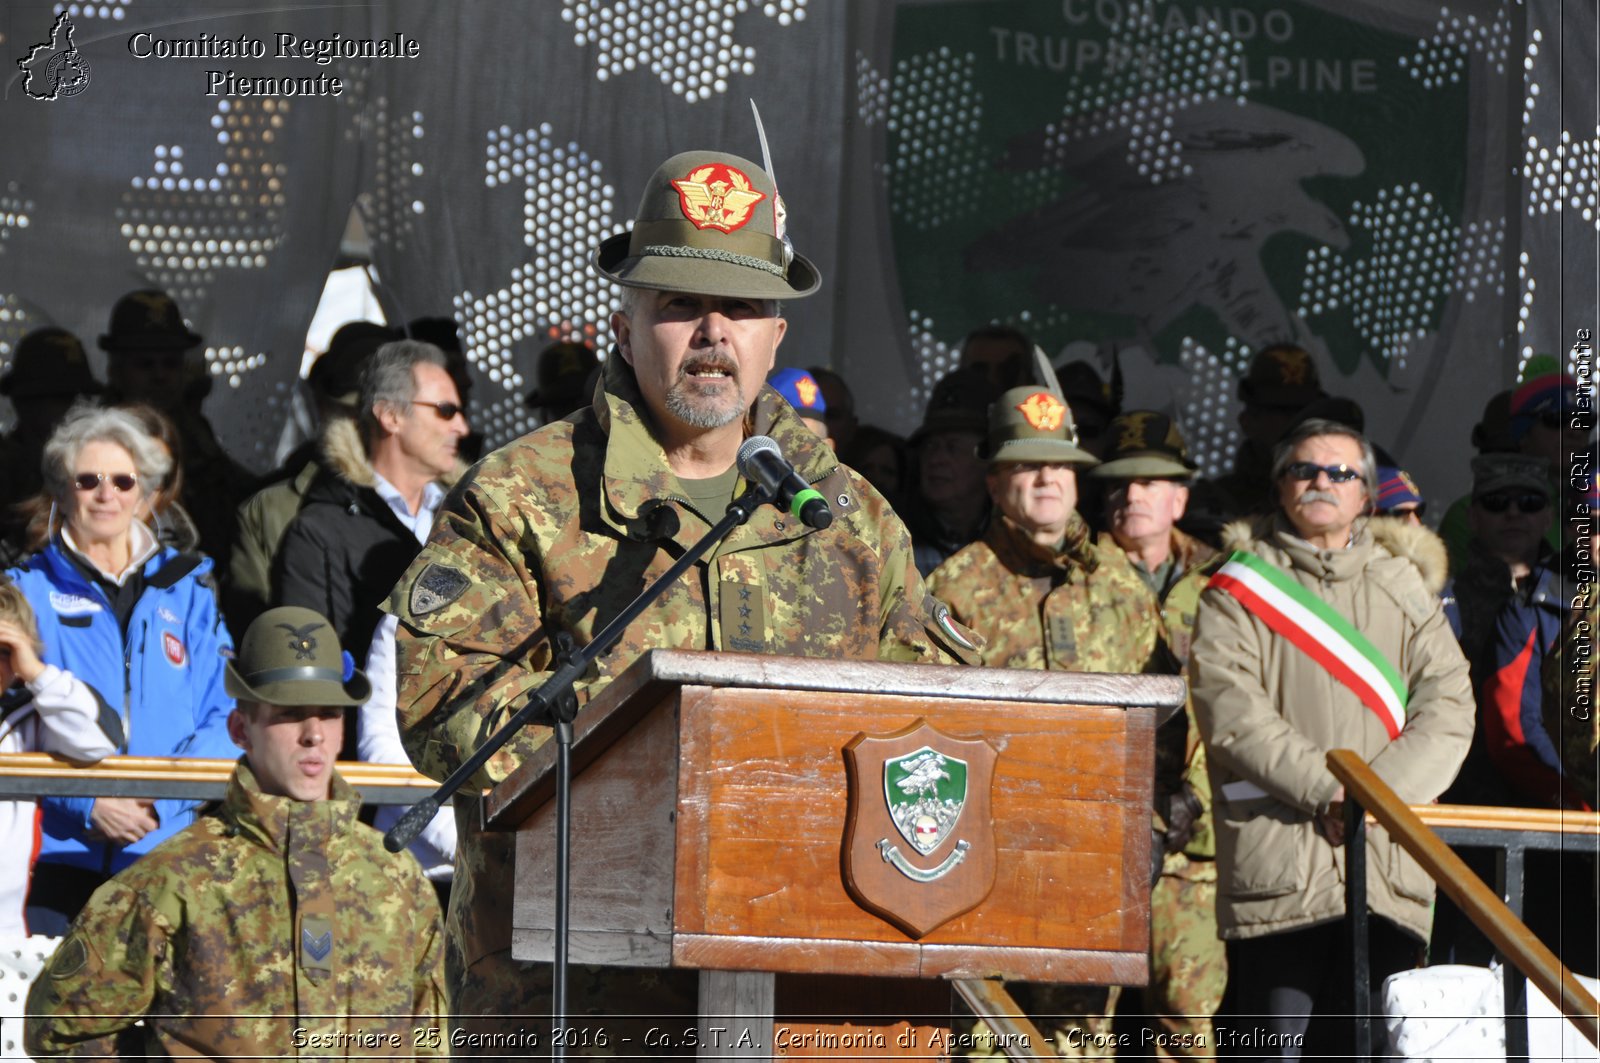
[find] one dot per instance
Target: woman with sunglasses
(138, 623)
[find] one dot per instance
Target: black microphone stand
(555, 703)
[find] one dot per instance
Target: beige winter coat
(1269, 715)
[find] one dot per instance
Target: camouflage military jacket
(268, 928)
(1180, 758)
(1048, 609)
(559, 531)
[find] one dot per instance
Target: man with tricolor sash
(1320, 632)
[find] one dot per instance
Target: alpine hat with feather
(709, 223)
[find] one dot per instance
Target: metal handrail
(1364, 790)
(28, 775)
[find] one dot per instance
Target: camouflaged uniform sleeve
(471, 641)
(917, 627)
(101, 980)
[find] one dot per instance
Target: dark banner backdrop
(1407, 189)
(1172, 185)
(487, 169)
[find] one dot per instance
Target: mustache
(699, 363)
(1311, 494)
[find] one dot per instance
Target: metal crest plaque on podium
(919, 836)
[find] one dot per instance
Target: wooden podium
(735, 813)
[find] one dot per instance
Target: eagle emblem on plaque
(919, 837)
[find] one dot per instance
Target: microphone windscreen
(750, 448)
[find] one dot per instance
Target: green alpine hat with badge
(709, 223)
(1033, 423)
(291, 656)
(1145, 445)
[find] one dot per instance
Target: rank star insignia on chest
(744, 618)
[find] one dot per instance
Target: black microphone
(406, 829)
(761, 462)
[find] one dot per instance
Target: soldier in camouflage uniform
(1034, 585)
(1282, 382)
(1043, 596)
(275, 926)
(1146, 475)
(558, 531)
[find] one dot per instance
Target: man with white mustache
(1321, 631)
(1146, 476)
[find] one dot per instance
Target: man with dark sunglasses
(1399, 496)
(335, 386)
(1508, 516)
(370, 508)
(1511, 512)
(1322, 630)
(1547, 419)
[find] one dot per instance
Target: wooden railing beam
(1015, 1033)
(1486, 910)
(25, 775)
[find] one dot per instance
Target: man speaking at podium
(560, 530)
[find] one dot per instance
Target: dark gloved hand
(1183, 811)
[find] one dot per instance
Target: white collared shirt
(379, 741)
(421, 522)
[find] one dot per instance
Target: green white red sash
(1319, 631)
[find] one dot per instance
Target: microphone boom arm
(550, 700)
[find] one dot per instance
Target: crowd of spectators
(137, 548)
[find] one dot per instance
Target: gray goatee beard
(705, 411)
(703, 415)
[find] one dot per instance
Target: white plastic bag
(1453, 1012)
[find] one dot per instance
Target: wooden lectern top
(657, 671)
(729, 812)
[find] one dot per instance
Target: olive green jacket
(268, 928)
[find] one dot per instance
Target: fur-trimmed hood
(1419, 545)
(345, 455)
